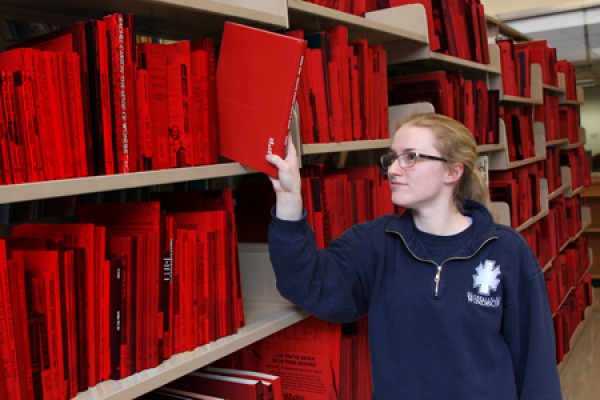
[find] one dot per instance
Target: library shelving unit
(403, 33)
(591, 197)
(552, 203)
(264, 312)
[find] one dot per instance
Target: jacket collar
(483, 224)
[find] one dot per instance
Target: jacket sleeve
(333, 283)
(529, 332)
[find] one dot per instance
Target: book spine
(7, 341)
(17, 169)
(289, 124)
(27, 120)
(116, 32)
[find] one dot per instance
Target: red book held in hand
(257, 77)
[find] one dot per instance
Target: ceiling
(572, 27)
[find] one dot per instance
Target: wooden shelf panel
(104, 183)
(167, 18)
(314, 18)
(263, 319)
(338, 147)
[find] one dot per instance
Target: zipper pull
(437, 281)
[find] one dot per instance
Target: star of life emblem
(486, 279)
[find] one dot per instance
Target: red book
(179, 83)
(70, 95)
(209, 99)
(33, 108)
(219, 385)
(5, 174)
(210, 298)
(15, 145)
(119, 30)
(257, 77)
(170, 393)
(141, 221)
(317, 98)
(102, 117)
(272, 382)
(165, 290)
(306, 356)
(82, 238)
(155, 135)
(26, 118)
(212, 200)
(199, 105)
(74, 38)
(54, 266)
(16, 358)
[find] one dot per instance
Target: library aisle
(581, 369)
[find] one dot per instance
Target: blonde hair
(456, 144)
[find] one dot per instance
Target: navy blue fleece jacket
(476, 326)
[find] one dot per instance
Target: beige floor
(580, 370)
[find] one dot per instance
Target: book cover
(170, 393)
(306, 356)
(272, 382)
(220, 385)
(257, 77)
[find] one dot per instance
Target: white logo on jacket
(485, 281)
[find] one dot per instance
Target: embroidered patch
(486, 278)
(485, 281)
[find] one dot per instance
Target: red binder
(257, 77)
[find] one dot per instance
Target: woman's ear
(455, 171)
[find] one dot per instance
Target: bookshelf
(591, 198)
(170, 18)
(405, 38)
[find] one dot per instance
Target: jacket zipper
(438, 273)
(438, 276)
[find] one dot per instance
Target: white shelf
(553, 89)
(557, 143)
(562, 97)
(565, 174)
(262, 320)
(413, 18)
(103, 183)
(537, 91)
(313, 18)
(171, 18)
(400, 55)
(580, 142)
(499, 161)
(399, 112)
(338, 147)
(502, 211)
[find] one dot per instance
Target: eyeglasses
(406, 159)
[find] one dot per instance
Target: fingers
(277, 161)
(276, 184)
(291, 149)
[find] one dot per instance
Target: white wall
(590, 118)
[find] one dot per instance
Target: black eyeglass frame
(415, 156)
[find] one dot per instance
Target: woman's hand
(288, 184)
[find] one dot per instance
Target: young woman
(457, 304)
